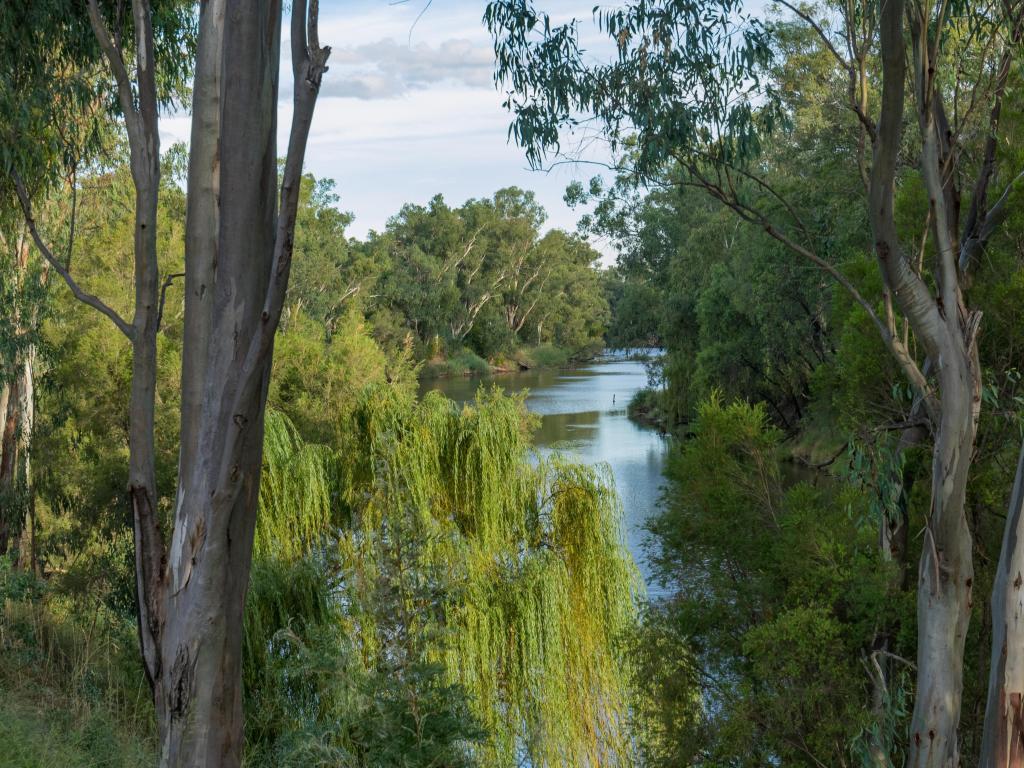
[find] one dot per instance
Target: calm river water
(583, 412)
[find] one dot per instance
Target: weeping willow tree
(506, 572)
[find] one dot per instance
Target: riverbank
(468, 363)
(539, 357)
(645, 408)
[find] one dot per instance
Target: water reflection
(583, 412)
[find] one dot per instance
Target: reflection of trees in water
(559, 428)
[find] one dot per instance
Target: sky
(409, 109)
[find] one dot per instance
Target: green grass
(543, 356)
(72, 690)
(41, 728)
(464, 363)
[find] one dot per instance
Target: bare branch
(163, 296)
(113, 55)
(818, 29)
(973, 246)
(82, 296)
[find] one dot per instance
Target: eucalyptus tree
(449, 268)
(191, 580)
(52, 121)
(690, 83)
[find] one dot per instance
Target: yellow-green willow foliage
(295, 492)
(541, 584)
(286, 589)
(523, 554)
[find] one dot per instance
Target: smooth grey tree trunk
(17, 409)
(947, 329)
(221, 453)
(191, 594)
(1003, 735)
(15, 443)
(945, 580)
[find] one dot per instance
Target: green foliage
(462, 363)
(44, 733)
(634, 311)
(482, 275)
(685, 81)
(56, 95)
(316, 378)
(535, 551)
(776, 592)
(71, 686)
(543, 356)
(451, 600)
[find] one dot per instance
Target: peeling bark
(1002, 744)
(239, 239)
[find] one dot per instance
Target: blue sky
(409, 109)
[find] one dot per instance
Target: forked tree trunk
(232, 246)
(1002, 744)
(947, 329)
(238, 258)
(191, 596)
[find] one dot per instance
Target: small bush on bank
(646, 406)
(463, 363)
(543, 356)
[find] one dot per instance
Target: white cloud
(408, 110)
(386, 68)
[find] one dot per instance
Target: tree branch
(82, 296)
(163, 296)
(309, 62)
(117, 66)
(889, 337)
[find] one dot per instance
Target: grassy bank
(72, 692)
(468, 363)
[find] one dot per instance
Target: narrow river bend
(583, 413)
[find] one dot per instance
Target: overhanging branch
(83, 296)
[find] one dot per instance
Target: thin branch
(818, 29)
(117, 66)
(163, 296)
(84, 297)
(899, 351)
(993, 219)
(74, 216)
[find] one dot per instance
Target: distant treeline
(480, 277)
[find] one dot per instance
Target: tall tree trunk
(14, 460)
(1002, 744)
(239, 256)
(10, 459)
(945, 578)
(17, 409)
(221, 453)
(947, 330)
(191, 597)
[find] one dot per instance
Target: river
(583, 412)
